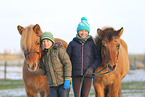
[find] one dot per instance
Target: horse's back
(124, 58)
(65, 44)
(123, 43)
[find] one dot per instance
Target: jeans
(59, 91)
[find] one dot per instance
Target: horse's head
(30, 43)
(109, 46)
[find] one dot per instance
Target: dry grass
(11, 57)
(136, 56)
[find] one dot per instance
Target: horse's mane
(107, 32)
(28, 38)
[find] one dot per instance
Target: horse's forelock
(28, 38)
(107, 32)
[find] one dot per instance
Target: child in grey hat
(56, 65)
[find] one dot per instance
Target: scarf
(83, 40)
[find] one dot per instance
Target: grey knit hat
(47, 35)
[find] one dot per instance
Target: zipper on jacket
(82, 58)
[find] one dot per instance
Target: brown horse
(114, 54)
(30, 44)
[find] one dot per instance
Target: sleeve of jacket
(41, 70)
(69, 50)
(65, 60)
(98, 58)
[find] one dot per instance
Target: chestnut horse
(115, 63)
(30, 44)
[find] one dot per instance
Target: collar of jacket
(55, 46)
(76, 39)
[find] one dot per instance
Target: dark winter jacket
(56, 65)
(83, 55)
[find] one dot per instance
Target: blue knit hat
(83, 25)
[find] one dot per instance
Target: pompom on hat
(83, 25)
(47, 35)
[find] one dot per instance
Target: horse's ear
(100, 33)
(20, 29)
(37, 29)
(119, 32)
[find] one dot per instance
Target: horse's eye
(103, 46)
(38, 43)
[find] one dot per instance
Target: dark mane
(115, 62)
(107, 32)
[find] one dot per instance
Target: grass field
(127, 87)
(11, 84)
(20, 56)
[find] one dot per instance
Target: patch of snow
(135, 75)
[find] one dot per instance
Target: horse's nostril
(114, 66)
(109, 66)
(33, 66)
(34, 63)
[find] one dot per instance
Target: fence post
(135, 62)
(5, 70)
(144, 59)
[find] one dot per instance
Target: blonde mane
(28, 38)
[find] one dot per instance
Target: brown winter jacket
(56, 65)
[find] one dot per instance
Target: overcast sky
(61, 17)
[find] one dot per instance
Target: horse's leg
(99, 90)
(31, 92)
(42, 93)
(114, 89)
(120, 93)
(47, 93)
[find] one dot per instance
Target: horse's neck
(124, 45)
(102, 65)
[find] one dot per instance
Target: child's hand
(66, 84)
(89, 71)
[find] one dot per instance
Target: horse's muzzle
(110, 68)
(34, 67)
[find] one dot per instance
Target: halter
(25, 54)
(32, 52)
(98, 73)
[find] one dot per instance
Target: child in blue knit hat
(85, 59)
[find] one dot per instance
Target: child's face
(46, 43)
(83, 33)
